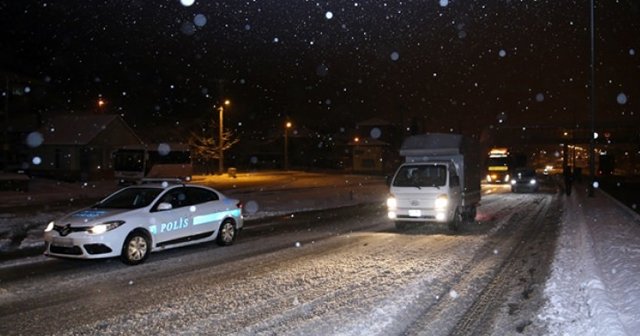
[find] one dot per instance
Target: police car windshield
(130, 198)
(421, 176)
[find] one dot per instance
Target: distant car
(137, 220)
(525, 180)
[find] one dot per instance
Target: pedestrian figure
(568, 179)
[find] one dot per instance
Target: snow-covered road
(337, 278)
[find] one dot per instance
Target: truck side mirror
(454, 181)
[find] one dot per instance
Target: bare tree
(205, 146)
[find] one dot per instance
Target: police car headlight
(442, 201)
(104, 227)
(49, 227)
(392, 203)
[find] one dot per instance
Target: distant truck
(499, 166)
(439, 181)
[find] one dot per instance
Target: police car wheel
(135, 249)
(226, 233)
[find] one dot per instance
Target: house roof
(76, 130)
(373, 122)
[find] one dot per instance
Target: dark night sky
(447, 64)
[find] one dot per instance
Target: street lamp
(221, 137)
(287, 126)
(101, 103)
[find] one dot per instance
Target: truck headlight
(442, 201)
(533, 181)
(392, 203)
(513, 182)
(104, 227)
(49, 227)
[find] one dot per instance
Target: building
(80, 147)
(372, 148)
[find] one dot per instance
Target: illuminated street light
(101, 103)
(221, 137)
(287, 126)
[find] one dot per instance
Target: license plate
(64, 242)
(415, 213)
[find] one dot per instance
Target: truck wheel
(456, 221)
(471, 214)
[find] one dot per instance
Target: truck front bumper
(418, 215)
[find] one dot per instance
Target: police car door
(170, 226)
(207, 211)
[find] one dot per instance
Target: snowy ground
(593, 288)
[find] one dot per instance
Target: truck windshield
(421, 176)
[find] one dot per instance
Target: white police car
(137, 220)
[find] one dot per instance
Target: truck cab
(439, 181)
(424, 192)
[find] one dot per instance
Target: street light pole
(221, 137)
(5, 143)
(286, 145)
(592, 165)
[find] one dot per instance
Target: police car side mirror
(164, 206)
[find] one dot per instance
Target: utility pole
(5, 130)
(221, 137)
(592, 145)
(287, 126)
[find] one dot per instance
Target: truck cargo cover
(432, 144)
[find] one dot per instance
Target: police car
(137, 220)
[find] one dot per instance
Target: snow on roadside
(593, 288)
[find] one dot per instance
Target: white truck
(439, 181)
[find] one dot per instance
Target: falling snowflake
(621, 98)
